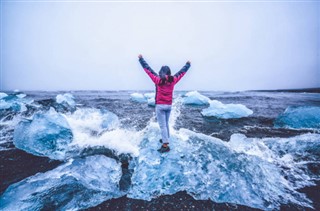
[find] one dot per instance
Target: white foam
(66, 98)
(88, 130)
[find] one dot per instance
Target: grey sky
(94, 45)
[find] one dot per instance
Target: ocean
(97, 150)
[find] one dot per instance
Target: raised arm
(153, 75)
(182, 72)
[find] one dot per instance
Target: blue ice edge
(299, 117)
(77, 184)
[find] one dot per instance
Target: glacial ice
(47, 134)
(150, 98)
(299, 117)
(62, 136)
(144, 98)
(208, 168)
(2, 95)
(15, 102)
(226, 111)
(66, 98)
(150, 95)
(75, 185)
(138, 97)
(195, 98)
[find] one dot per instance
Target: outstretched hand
(140, 56)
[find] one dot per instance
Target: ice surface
(299, 117)
(226, 111)
(208, 168)
(292, 154)
(47, 134)
(75, 185)
(195, 98)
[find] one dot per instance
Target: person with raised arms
(164, 83)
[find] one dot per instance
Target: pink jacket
(164, 92)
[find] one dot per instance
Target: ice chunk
(151, 102)
(2, 95)
(66, 98)
(144, 98)
(21, 95)
(5, 105)
(47, 134)
(149, 95)
(75, 185)
(195, 98)
(15, 102)
(226, 111)
(150, 98)
(208, 168)
(299, 117)
(138, 97)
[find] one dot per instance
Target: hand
(188, 62)
(140, 56)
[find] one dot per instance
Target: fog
(47, 45)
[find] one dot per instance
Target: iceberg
(195, 98)
(150, 98)
(75, 185)
(3, 95)
(66, 98)
(14, 102)
(47, 134)
(138, 97)
(226, 111)
(299, 117)
(151, 102)
(208, 168)
(150, 95)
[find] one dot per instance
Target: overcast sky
(94, 45)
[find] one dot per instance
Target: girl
(165, 83)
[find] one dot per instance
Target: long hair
(165, 75)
